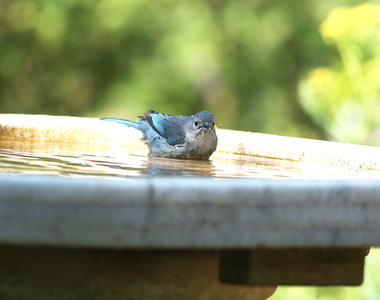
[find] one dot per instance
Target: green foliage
(240, 59)
(344, 98)
(243, 60)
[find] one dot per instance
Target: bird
(176, 136)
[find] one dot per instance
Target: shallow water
(76, 159)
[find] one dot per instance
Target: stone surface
(188, 212)
(182, 223)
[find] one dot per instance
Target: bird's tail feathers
(133, 124)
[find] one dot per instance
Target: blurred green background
(297, 68)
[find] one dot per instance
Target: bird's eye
(196, 124)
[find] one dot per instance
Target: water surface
(81, 159)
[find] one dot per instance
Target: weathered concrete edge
(188, 213)
(322, 153)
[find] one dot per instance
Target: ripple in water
(73, 159)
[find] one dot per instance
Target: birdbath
(85, 214)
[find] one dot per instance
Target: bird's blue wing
(169, 127)
(174, 130)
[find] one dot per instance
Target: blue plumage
(176, 136)
(134, 124)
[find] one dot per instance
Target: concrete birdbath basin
(85, 214)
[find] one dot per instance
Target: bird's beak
(205, 126)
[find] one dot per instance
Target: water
(76, 159)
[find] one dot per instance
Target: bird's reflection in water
(169, 167)
(74, 159)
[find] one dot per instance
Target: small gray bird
(176, 136)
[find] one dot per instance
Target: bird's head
(203, 120)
